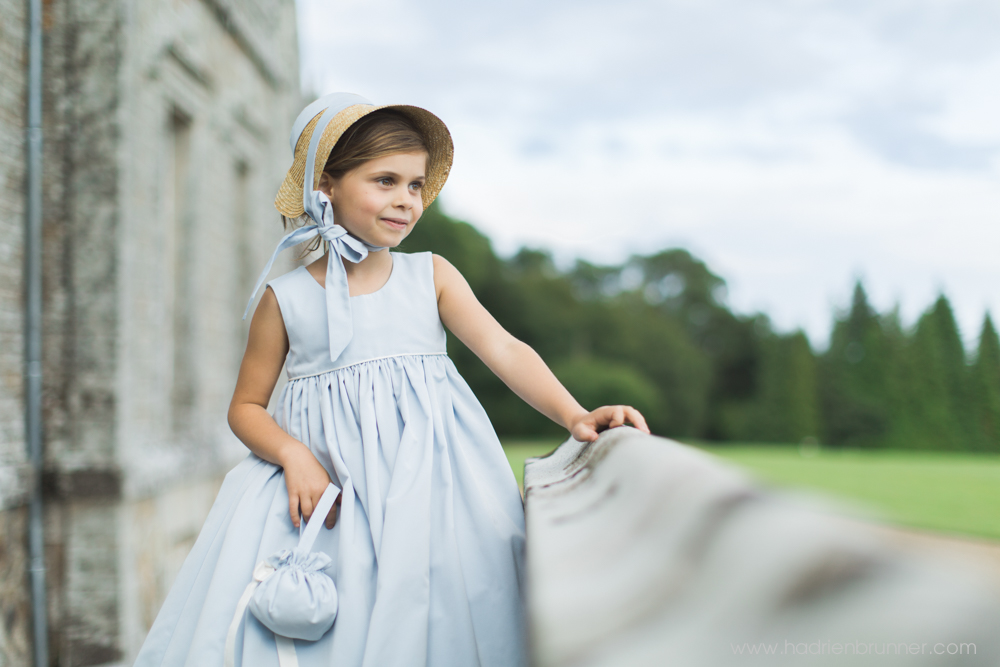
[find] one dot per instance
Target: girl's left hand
(586, 427)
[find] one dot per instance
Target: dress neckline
(392, 272)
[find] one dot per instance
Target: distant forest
(655, 333)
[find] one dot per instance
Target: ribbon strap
(260, 573)
(310, 531)
(286, 652)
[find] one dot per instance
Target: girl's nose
(403, 200)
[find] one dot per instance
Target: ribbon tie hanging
(340, 242)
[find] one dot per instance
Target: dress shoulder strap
(414, 273)
(290, 289)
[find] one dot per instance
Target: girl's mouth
(395, 223)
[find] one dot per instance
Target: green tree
(596, 382)
(784, 406)
(854, 374)
(788, 405)
(986, 387)
(898, 370)
(630, 331)
(684, 291)
(644, 313)
(939, 415)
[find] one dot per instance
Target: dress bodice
(401, 318)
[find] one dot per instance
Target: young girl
(427, 551)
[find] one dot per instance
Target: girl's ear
(326, 185)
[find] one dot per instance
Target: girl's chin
(390, 238)
(386, 240)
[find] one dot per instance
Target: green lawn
(945, 492)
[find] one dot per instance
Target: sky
(795, 146)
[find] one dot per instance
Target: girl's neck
(376, 262)
(365, 277)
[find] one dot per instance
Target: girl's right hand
(306, 480)
(585, 427)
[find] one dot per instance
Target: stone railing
(644, 551)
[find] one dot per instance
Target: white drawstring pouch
(290, 593)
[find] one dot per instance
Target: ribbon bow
(342, 244)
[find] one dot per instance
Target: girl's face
(379, 202)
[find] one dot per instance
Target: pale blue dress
(428, 547)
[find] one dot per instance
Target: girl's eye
(416, 185)
(385, 181)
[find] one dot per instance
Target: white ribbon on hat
(318, 207)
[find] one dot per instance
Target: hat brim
(436, 135)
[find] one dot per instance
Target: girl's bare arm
(516, 363)
(267, 346)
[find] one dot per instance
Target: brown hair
(380, 133)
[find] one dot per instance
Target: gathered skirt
(427, 551)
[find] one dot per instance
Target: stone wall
(15, 630)
(165, 130)
(13, 102)
(14, 607)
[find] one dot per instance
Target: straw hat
(350, 108)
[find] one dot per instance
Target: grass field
(944, 492)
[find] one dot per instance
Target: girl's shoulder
(445, 275)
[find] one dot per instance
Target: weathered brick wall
(15, 610)
(12, 127)
(81, 217)
(143, 290)
(14, 606)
